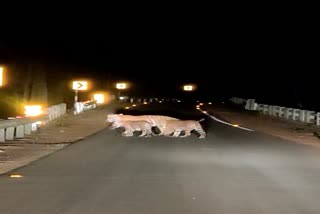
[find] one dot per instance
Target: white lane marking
(229, 124)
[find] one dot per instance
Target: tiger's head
(113, 118)
(116, 124)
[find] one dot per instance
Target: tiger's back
(133, 125)
(155, 120)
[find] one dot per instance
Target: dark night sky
(246, 57)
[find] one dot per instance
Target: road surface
(230, 171)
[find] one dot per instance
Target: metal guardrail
(80, 107)
(18, 128)
(301, 115)
(21, 121)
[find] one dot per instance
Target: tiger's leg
(127, 133)
(148, 133)
(176, 133)
(166, 132)
(187, 133)
(113, 126)
(144, 133)
(202, 133)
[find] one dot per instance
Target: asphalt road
(230, 171)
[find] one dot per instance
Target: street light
(33, 110)
(189, 87)
(121, 86)
(1, 76)
(99, 98)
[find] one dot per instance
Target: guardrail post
(295, 114)
(265, 109)
(249, 104)
(318, 119)
(281, 111)
(288, 113)
(19, 131)
(10, 133)
(270, 110)
(310, 116)
(34, 127)
(27, 128)
(2, 135)
(302, 115)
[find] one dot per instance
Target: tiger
(155, 120)
(177, 126)
(131, 126)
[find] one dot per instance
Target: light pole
(121, 86)
(1, 76)
(78, 86)
(189, 88)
